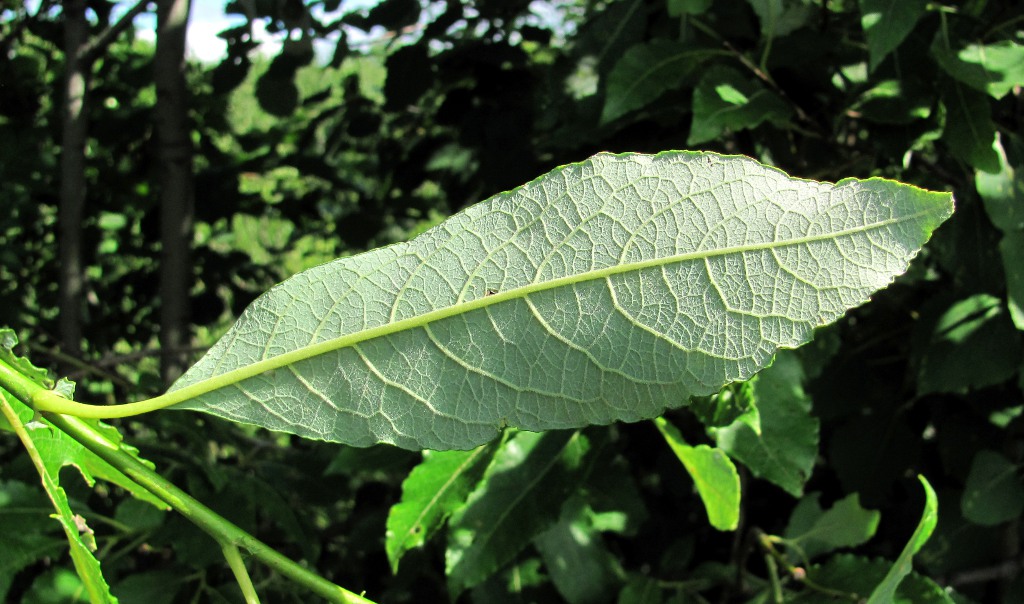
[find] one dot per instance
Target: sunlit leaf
(434, 489)
(716, 478)
(994, 68)
(606, 290)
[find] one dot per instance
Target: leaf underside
(607, 290)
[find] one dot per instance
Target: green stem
(209, 521)
(241, 574)
(225, 532)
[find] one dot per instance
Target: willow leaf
(604, 291)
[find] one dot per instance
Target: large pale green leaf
(606, 290)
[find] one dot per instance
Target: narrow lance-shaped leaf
(605, 290)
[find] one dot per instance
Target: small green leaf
(733, 403)
(646, 71)
(886, 590)
(780, 17)
(726, 99)
(433, 490)
(816, 531)
(55, 448)
(718, 483)
(785, 449)
(80, 539)
(519, 497)
(994, 69)
(886, 24)
(993, 493)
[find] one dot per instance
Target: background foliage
(372, 124)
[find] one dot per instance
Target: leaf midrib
(313, 350)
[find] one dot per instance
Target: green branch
(226, 533)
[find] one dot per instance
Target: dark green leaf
(576, 559)
(27, 532)
(886, 24)
(965, 344)
(969, 132)
(520, 496)
(677, 8)
(857, 575)
(780, 17)
(816, 531)
(648, 70)
(993, 493)
(785, 449)
(726, 99)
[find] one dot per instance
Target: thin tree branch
(100, 42)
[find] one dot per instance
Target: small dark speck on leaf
(490, 292)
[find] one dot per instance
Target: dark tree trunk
(72, 176)
(175, 186)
